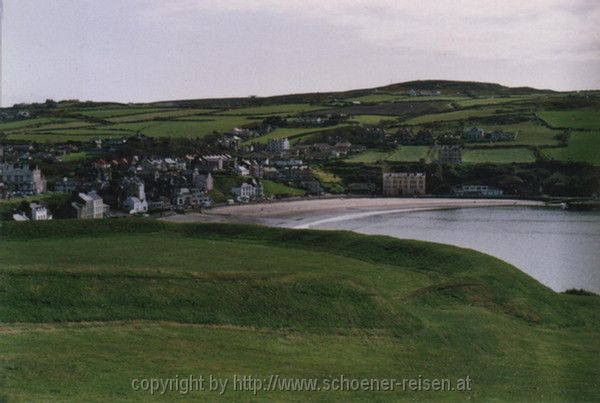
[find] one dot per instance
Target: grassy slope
(449, 116)
(583, 146)
(293, 133)
(271, 109)
(401, 154)
(274, 188)
(576, 119)
(373, 119)
(225, 299)
(498, 156)
(528, 133)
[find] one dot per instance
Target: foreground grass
(88, 306)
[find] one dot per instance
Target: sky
(151, 50)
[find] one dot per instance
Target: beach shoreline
(271, 212)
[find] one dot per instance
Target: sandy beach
(301, 210)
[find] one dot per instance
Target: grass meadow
(498, 155)
(401, 154)
(583, 147)
(225, 300)
(587, 119)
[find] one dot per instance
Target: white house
(247, 191)
(241, 170)
(134, 205)
(136, 202)
(244, 192)
(39, 212)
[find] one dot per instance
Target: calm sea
(561, 249)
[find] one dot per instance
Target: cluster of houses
(138, 185)
(283, 148)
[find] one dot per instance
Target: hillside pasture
(292, 109)
(62, 124)
(177, 113)
(451, 116)
(587, 119)
(29, 123)
(401, 154)
(60, 136)
(498, 156)
(293, 133)
(528, 133)
(187, 128)
(393, 109)
(583, 147)
(468, 103)
(373, 119)
(105, 113)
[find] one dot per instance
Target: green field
(76, 156)
(271, 188)
(373, 119)
(450, 116)
(293, 133)
(176, 113)
(272, 109)
(60, 136)
(467, 103)
(103, 113)
(20, 124)
(583, 147)
(401, 154)
(64, 124)
(498, 155)
(528, 133)
(575, 119)
(80, 325)
(382, 97)
(185, 128)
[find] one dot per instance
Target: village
(142, 185)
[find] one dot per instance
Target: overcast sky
(149, 50)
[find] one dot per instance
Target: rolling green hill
(87, 306)
(536, 116)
